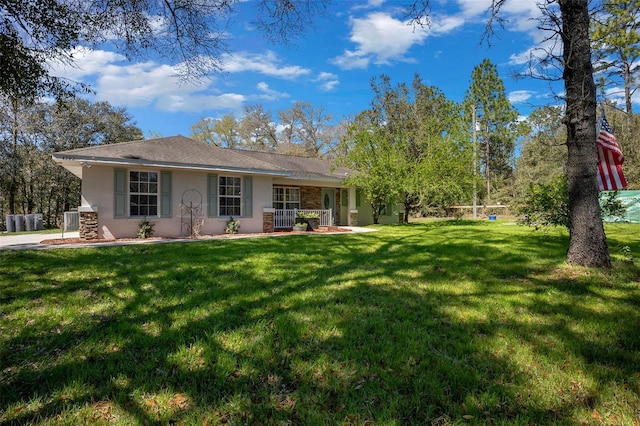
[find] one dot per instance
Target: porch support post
(88, 222)
(353, 217)
(268, 214)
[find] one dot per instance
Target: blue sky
(329, 66)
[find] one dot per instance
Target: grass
(432, 323)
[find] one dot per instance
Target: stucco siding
(98, 193)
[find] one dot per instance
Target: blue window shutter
(165, 194)
(247, 197)
(119, 193)
(358, 195)
(212, 195)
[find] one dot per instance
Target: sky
(330, 65)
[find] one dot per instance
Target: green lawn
(432, 323)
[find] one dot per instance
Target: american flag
(610, 159)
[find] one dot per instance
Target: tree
(411, 147)
(543, 150)
(10, 158)
(497, 122)
(616, 44)
(444, 172)
(587, 241)
(306, 130)
(227, 132)
(203, 130)
(224, 132)
(391, 117)
(257, 130)
(379, 162)
(541, 182)
(30, 181)
(188, 32)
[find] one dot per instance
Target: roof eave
(316, 179)
(145, 163)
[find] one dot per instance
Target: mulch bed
(329, 229)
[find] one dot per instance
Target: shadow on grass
(429, 323)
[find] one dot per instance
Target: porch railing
(286, 218)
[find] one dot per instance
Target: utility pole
(475, 183)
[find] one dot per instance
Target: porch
(286, 218)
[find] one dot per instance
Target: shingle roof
(183, 152)
(303, 167)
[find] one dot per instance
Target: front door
(329, 201)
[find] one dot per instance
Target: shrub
(307, 215)
(548, 205)
(145, 228)
(232, 226)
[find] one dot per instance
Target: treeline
(30, 181)
(412, 146)
(303, 129)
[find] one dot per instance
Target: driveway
(32, 241)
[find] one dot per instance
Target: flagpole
(475, 182)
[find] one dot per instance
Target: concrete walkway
(30, 241)
(33, 241)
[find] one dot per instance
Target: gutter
(144, 163)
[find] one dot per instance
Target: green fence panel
(631, 200)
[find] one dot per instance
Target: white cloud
(189, 102)
(474, 8)
(350, 60)
(139, 84)
(616, 95)
(539, 60)
(523, 15)
(370, 4)
(328, 81)
(87, 62)
(380, 39)
(266, 63)
(151, 84)
(268, 94)
(518, 15)
(520, 96)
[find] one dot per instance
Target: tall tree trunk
(15, 159)
(375, 211)
(587, 240)
(628, 81)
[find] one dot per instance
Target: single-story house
(183, 187)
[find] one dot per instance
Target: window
(286, 198)
(229, 196)
(143, 193)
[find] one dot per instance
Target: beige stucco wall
(98, 191)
